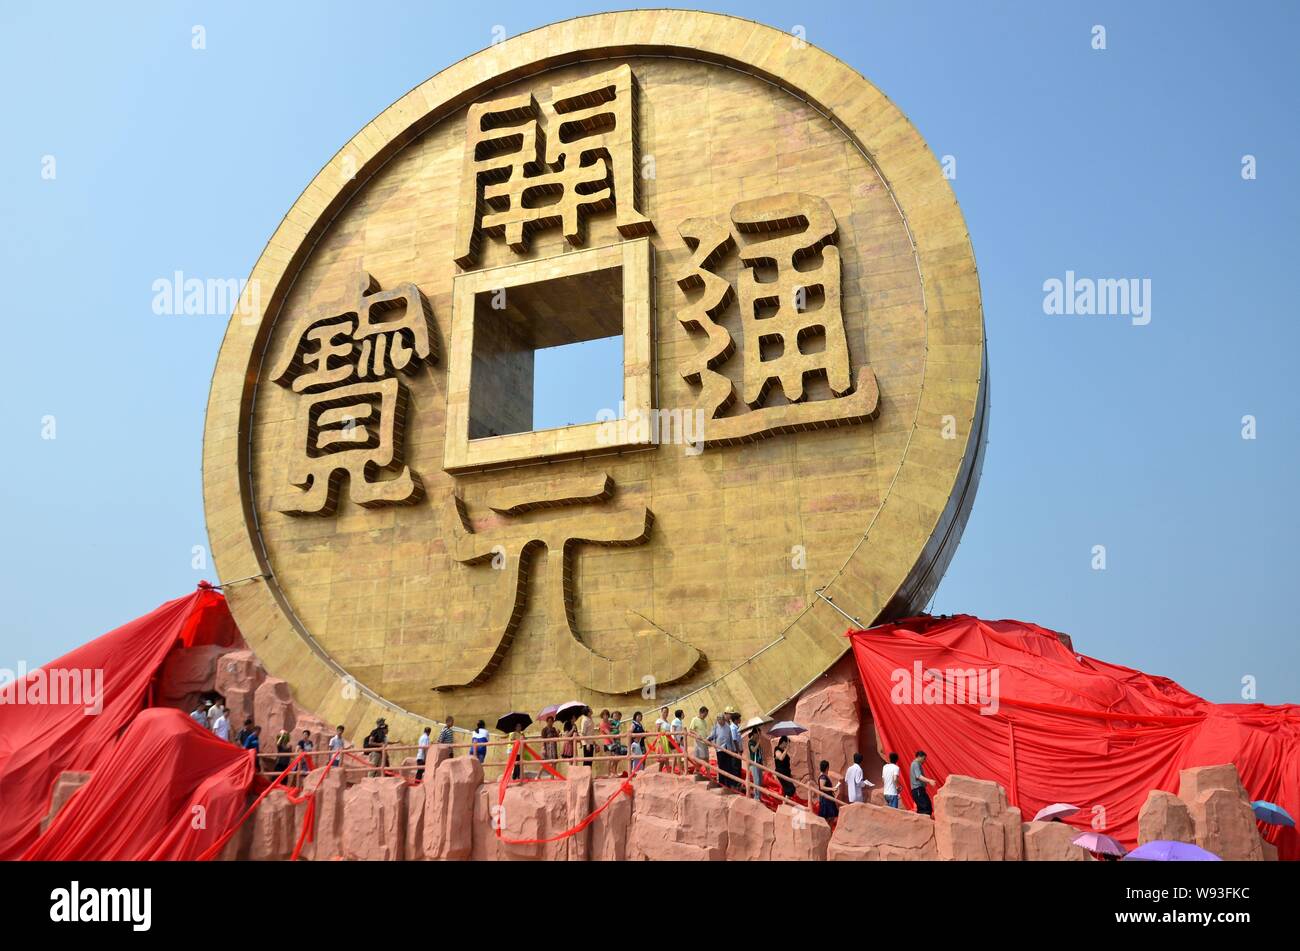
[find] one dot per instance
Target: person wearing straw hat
(283, 746)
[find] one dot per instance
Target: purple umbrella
(1057, 810)
(1162, 851)
(1101, 844)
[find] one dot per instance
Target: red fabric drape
(39, 740)
(1064, 727)
(169, 790)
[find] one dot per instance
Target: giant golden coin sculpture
(799, 435)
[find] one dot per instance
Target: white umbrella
(1057, 810)
(787, 728)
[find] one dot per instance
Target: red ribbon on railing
(215, 848)
(625, 788)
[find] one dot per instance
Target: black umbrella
(568, 712)
(512, 721)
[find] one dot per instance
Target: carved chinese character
(529, 167)
(513, 546)
(790, 320)
(352, 414)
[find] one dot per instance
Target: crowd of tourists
(607, 742)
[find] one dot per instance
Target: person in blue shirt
(251, 742)
(478, 741)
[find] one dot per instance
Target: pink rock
(1220, 811)
(1198, 779)
(534, 811)
(869, 832)
(1164, 817)
(437, 754)
(485, 847)
(972, 822)
(609, 831)
(65, 784)
(187, 673)
(830, 713)
(273, 709)
(274, 828)
(677, 819)
(876, 796)
(327, 835)
(413, 849)
(800, 836)
(449, 810)
(1225, 825)
(239, 674)
(374, 820)
(751, 830)
(1270, 851)
(579, 804)
(802, 766)
(1052, 842)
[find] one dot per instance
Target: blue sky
(1123, 162)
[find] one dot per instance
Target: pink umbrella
(547, 712)
(1057, 810)
(1100, 844)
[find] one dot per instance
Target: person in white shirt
(221, 729)
(855, 781)
(200, 715)
(423, 755)
(215, 712)
(337, 745)
(890, 776)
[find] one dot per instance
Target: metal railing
(681, 758)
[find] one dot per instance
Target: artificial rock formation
(67, 783)
(678, 820)
(1164, 817)
(374, 819)
(239, 674)
(449, 808)
(1221, 813)
(751, 830)
(800, 836)
(188, 673)
(972, 821)
(832, 714)
(868, 832)
(273, 709)
(609, 830)
(1053, 842)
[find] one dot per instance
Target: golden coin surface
(776, 255)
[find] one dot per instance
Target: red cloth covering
(39, 740)
(1067, 728)
(169, 790)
